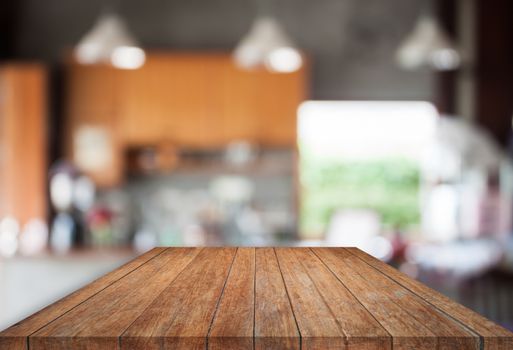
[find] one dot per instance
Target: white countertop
(28, 284)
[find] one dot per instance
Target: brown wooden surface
(23, 120)
(189, 100)
(256, 298)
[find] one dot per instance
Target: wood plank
(494, 336)
(361, 329)
(275, 326)
(232, 327)
(263, 298)
(98, 322)
(317, 325)
(181, 315)
(411, 321)
(15, 337)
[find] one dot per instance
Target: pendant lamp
(428, 45)
(268, 45)
(109, 41)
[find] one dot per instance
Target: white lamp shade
(109, 41)
(428, 45)
(268, 44)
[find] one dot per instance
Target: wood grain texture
(256, 298)
(180, 317)
(494, 336)
(232, 327)
(275, 325)
(411, 321)
(318, 328)
(105, 316)
(360, 328)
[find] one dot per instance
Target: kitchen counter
(28, 283)
(264, 298)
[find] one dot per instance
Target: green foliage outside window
(388, 186)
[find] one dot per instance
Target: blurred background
(385, 125)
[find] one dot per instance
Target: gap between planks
(355, 297)
(97, 292)
(178, 274)
(391, 278)
(254, 298)
(290, 300)
(481, 338)
(220, 297)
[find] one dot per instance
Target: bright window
(362, 155)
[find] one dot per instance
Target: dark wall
(8, 21)
(494, 71)
(351, 42)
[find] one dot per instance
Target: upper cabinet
(23, 120)
(277, 99)
(192, 100)
(165, 100)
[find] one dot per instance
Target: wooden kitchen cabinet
(91, 89)
(258, 106)
(184, 100)
(238, 118)
(93, 137)
(190, 100)
(23, 158)
(276, 108)
(96, 148)
(165, 100)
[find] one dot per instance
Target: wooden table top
(263, 298)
